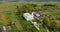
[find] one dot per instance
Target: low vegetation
(9, 11)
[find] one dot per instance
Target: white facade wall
(28, 16)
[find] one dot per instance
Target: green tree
(46, 21)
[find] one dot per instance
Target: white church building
(28, 16)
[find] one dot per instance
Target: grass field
(8, 12)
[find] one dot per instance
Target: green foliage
(42, 28)
(46, 20)
(18, 10)
(26, 7)
(51, 24)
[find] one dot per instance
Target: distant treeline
(30, 0)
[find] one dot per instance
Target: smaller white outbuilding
(37, 14)
(35, 23)
(3, 29)
(28, 16)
